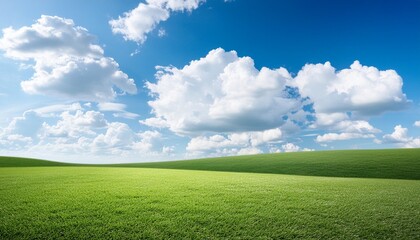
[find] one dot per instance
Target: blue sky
(124, 81)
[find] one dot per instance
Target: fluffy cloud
(21, 131)
(148, 139)
(117, 135)
(28, 125)
(87, 134)
(341, 99)
(75, 125)
(67, 62)
(137, 23)
(235, 143)
(360, 90)
(348, 130)
(417, 124)
(221, 93)
(401, 138)
(290, 147)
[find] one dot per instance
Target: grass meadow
(319, 195)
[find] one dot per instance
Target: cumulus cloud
(47, 133)
(27, 125)
(233, 144)
(67, 62)
(135, 24)
(75, 125)
(290, 147)
(117, 135)
(21, 131)
(360, 90)
(401, 138)
(348, 130)
(341, 100)
(220, 92)
(417, 124)
(148, 139)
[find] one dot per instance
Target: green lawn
(104, 202)
(387, 163)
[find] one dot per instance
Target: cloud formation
(401, 138)
(67, 62)
(238, 141)
(79, 132)
(359, 90)
(220, 92)
(135, 24)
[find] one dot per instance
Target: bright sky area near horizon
(130, 81)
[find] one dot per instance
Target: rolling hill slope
(387, 163)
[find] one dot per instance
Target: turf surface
(387, 163)
(43, 201)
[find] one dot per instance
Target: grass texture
(43, 201)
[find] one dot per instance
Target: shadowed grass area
(29, 162)
(134, 203)
(388, 163)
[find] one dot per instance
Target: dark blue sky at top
(385, 34)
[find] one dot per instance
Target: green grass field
(318, 195)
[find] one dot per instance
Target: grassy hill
(48, 200)
(29, 162)
(387, 163)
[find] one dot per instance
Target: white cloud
(112, 107)
(232, 144)
(358, 126)
(155, 122)
(52, 109)
(176, 5)
(249, 151)
(118, 108)
(401, 138)
(329, 137)
(67, 62)
(161, 32)
(417, 124)
(117, 135)
(147, 141)
(342, 100)
(400, 135)
(360, 90)
(220, 93)
(78, 135)
(27, 125)
(168, 149)
(135, 24)
(290, 147)
(75, 125)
